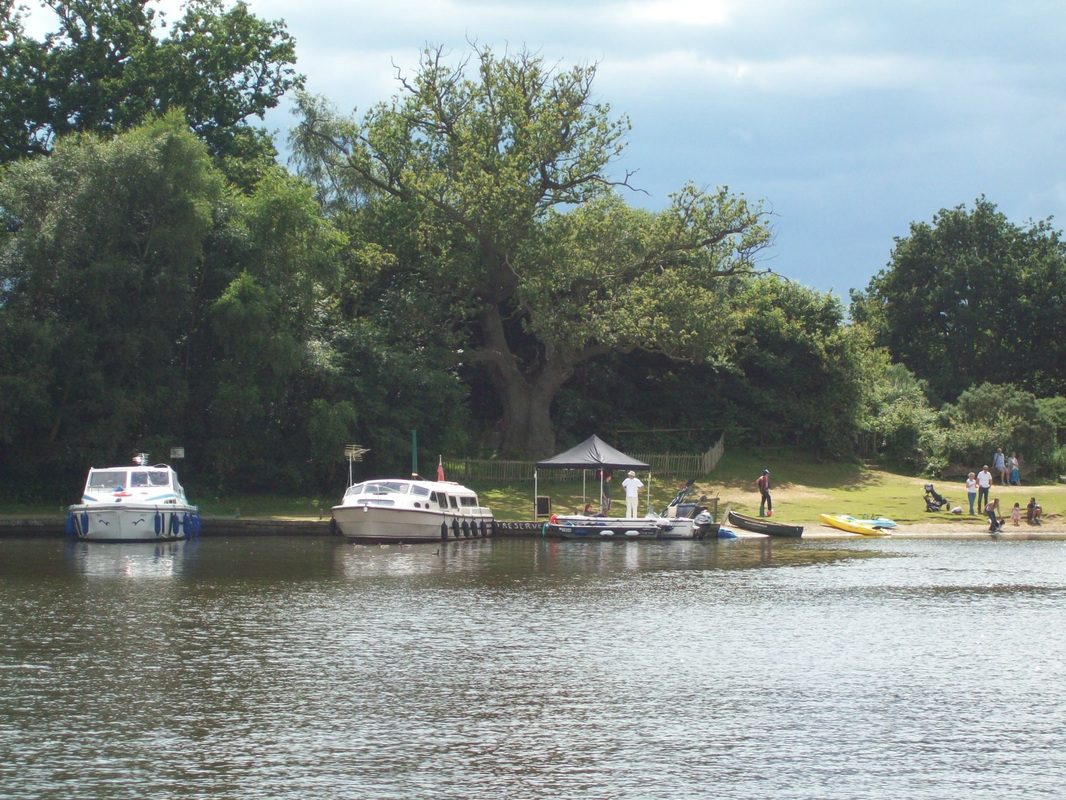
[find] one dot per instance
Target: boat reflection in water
(163, 559)
(398, 560)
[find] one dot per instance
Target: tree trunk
(526, 395)
(527, 426)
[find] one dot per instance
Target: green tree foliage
(109, 63)
(799, 372)
(788, 371)
(144, 303)
(901, 417)
(99, 270)
(988, 416)
(973, 298)
(501, 180)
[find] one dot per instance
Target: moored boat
(137, 503)
(604, 529)
(846, 522)
(764, 526)
(688, 522)
(402, 510)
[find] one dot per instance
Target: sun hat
(766, 472)
(632, 474)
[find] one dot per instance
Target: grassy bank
(803, 488)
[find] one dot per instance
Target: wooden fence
(678, 465)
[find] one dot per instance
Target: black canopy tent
(593, 453)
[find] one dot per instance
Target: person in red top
(766, 503)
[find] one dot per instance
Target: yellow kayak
(846, 522)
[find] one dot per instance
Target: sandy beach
(1052, 527)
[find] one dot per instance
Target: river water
(301, 667)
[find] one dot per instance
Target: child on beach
(1016, 514)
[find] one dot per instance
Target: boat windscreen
(107, 479)
(397, 487)
(154, 477)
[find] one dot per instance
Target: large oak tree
(500, 168)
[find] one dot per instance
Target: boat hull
(761, 526)
(132, 522)
(606, 529)
(850, 524)
(401, 525)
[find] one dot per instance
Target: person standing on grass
(984, 483)
(1015, 470)
(766, 503)
(971, 490)
(632, 484)
(999, 464)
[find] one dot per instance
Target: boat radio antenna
(354, 452)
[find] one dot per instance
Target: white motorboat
(681, 520)
(137, 503)
(601, 528)
(401, 510)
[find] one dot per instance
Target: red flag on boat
(440, 468)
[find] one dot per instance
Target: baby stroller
(934, 501)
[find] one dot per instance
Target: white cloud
(674, 12)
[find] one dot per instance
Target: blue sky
(848, 119)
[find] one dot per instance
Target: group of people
(996, 522)
(978, 486)
(1008, 469)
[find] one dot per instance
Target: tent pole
(535, 492)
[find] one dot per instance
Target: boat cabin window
(421, 491)
(378, 487)
(451, 502)
(468, 501)
(155, 477)
(107, 479)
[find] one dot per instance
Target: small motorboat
(756, 525)
(137, 503)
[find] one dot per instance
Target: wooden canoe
(757, 525)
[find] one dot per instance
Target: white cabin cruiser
(414, 510)
(137, 503)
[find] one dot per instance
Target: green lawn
(802, 489)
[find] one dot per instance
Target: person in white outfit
(632, 484)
